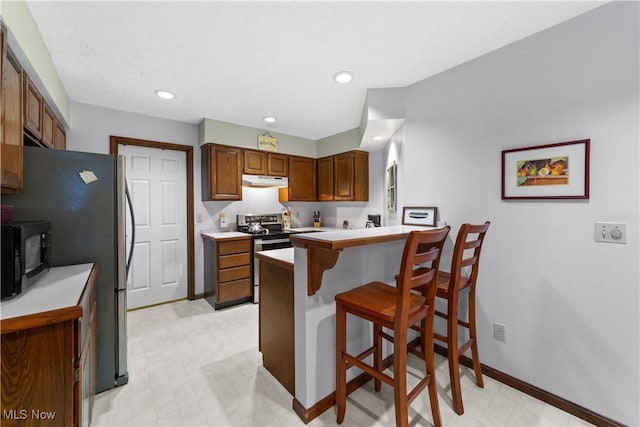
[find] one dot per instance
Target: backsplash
(265, 200)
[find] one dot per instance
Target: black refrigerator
(88, 221)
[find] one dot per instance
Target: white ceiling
(240, 61)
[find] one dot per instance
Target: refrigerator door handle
(133, 231)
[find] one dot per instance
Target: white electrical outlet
(611, 232)
(499, 332)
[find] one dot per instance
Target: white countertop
(337, 235)
(61, 287)
(284, 255)
(221, 235)
(314, 229)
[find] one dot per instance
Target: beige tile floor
(192, 366)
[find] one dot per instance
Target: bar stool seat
(394, 308)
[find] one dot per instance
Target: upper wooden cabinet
(277, 164)
(344, 177)
(265, 163)
(48, 126)
(221, 172)
(255, 162)
(325, 178)
(59, 137)
(10, 120)
(351, 176)
(33, 108)
(302, 179)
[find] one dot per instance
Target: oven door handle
(272, 241)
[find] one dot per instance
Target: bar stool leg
(474, 343)
(341, 367)
(400, 378)
(454, 355)
(377, 357)
(427, 342)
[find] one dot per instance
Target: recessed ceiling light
(269, 119)
(377, 138)
(164, 94)
(343, 76)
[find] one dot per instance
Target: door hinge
(76, 375)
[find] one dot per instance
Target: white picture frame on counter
(412, 215)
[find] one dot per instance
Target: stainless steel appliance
(26, 254)
(87, 225)
(268, 233)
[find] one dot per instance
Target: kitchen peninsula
(305, 280)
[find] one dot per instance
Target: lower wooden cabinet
(227, 271)
(49, 365)
(276, 331)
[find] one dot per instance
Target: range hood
(264, 181)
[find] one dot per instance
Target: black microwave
(26, 254)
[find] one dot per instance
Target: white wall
(92, 127)
(26, 42)
(570, 305)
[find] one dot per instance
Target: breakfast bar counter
(326, 264)
(323, 249)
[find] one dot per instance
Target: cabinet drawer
(236, 273)
(234, 247)
(234, 290)
(235, 260)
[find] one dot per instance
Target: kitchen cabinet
(33, 108)
(10, 119)
(227, 271)
(344, 177)
(351, 176)
(325, 178)
(277, 164)
(49, 360)
(59, 137)
(48, 125)
(221, 172)
(255, 162)
(265, 163)
(302, 180)
(276, 330)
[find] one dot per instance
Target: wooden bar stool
(396, 309)
(470, 237)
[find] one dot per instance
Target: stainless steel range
(268, 233)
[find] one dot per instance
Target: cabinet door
(325, 178)
(277, 164)
(344, 177)
(255, 162)
(59, 137)
(361, 188)
(221, 172)
(32, 108)
(11, 117)
(48, 126)
(302, 179)
(351, 176)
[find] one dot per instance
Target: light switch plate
(611, 232)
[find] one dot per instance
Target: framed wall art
(552, 171)
(392, 187)
(419, 216)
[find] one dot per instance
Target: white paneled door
(157, 184)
